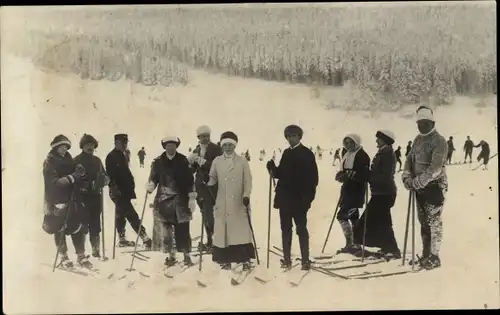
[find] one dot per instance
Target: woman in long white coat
(232, 239)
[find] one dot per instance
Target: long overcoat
(234, 180)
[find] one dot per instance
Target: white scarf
(203, 149)
(348, 159)
(170, 157)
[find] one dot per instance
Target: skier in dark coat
(398, 157)
(354, 175)
(91, 191)
(141, 154)
(379, 232)
(468, 148)
(484, 154)
(425, 174)
(337, 157)
(122, 191)
(408, 148)
(175, 199)
(297, 176)
(451, 148)
(62, 210)
(201, 161)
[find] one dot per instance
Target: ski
(354, 266)
(262, 280)
(143, 258)
(383, 275)
(73, 270)
(241, 277)
(172, 272)
(296, 282)
(364, 273)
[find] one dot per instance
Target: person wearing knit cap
(141, 154)
(91, 192)
(379, 232)
(232, 238)
(298, 178)
(62, 213)
(397, 152)
(122, 191)
(174, 202)
(425, 175)
(201, 161)
(353, 174)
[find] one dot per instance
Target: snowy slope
(36, 106)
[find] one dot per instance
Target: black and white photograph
(249, 157)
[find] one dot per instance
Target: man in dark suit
(122, 191)
(297, 176)
(201, 160)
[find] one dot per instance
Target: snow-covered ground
(36, 106)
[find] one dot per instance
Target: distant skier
(122, 191)
(468, 148)
(484, 154)
(247, 155)
(320, 153)
(274, 155)
(336, 157)
(451, 148)
(398, 157)
(262, 155)
(127, 154)
(344, 151)
(91, 192)
(424, 174)
(408, 148)
(190, 149)
(141, 154)
(62, 212)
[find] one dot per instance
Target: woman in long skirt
(232, 239)
(379, 232)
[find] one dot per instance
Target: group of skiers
(219, 181)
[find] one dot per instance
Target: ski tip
(234, 282)
(201, 284)
(144, 275)
(168, 276)
(111, 275)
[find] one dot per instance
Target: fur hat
(425, 113)
(88, 139)
(202, 130)
(294, 129)
(170, 139)
(354, 137)
(228, 137)
(387, 136)
(121, 137)
(60, 140)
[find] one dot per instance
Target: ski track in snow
(36, 106)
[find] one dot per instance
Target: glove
(192, 201)
(408, 183)
(150, 187)
(192, 158)
(271, 167)
(246, 201)
(340, 176)
(78, 174)
(351, 174)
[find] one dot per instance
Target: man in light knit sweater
(424, 172)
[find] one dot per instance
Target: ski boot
(187, 260)
(123, 242)
(84, 262)
(205, 248)
(65, 262)
(418, 261)
(247, 266)
(170, 260)
(148, 244)
(226, 266)
(286, 263)
(389, 255)
(432, 262)
(306, 265)
(95, 252)
(349, 249)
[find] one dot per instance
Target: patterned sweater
(426, 161)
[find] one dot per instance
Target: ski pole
(413, 231)
(364, 227)
(331, 224)
(407, 226)
(138, 232)
(253, 235)
(114, 235)
(269, 222)
(63, 235)
(102, 228)
(200, 244)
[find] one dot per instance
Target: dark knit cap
(121, 137)
(386, 136)
(88, 139)
(293, 129)
(229, 135)
(60, 140)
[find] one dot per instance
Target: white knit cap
(354, 137)
(425, 113)
(204, 129)
(387, 134)
(170, 139)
